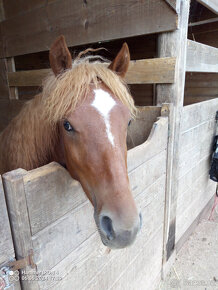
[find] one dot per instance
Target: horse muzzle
(115, 236)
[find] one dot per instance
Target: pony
(80, 120)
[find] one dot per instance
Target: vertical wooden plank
(6, 244)
(11, 68)
(173, 44)
(19, 220)
(2, 11)
(4, 89)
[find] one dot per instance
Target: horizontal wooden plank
(205, 22)
(147, 71)
(210, 4)
(201, 78)
(201, 58)
(195, 114)
(189, 100)
(201, 92)
(205, 130)
(84, 22)
(185, 197)
(191, 212)
(21, 7)
(157, 70)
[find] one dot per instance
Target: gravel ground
(196, 265)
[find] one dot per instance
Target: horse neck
(29, 141)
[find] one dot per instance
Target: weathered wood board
(6, 244)
(201, 58)
(195, 189)
(143, 71)
(62, 232)
(210, 4)
(33, 29)
(7, 252)
(137, 131)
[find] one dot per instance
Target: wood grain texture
(171, 44)
(11, 68)
(201, 58)
(194, 115)
(19, 219)
(158, 70)
(6, 243)
(4, 90)
(21, 8)
(210, 4)
(140, 127)
(195, 189)
(84, 22)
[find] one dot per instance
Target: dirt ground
(196, 265)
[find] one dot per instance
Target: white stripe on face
(104, 103)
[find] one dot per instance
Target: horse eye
(129, 122)
(68, 127)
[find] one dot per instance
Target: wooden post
(173, 44)
(19, 220)
(11, 68)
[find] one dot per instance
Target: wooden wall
(195, 189)
(31, 26)
(61, 231)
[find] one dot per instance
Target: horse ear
(59, 56)
(121, 62)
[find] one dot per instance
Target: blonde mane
(30, 140)
(62, 94)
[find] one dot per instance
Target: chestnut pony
(80, 120)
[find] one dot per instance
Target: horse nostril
(106, 226)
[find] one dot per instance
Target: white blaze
(104, 103)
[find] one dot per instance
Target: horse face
(95, 153)
(93, 138)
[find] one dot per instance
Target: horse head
(92, 138)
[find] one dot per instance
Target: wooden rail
(144, 71)
(201, 58)
(33, 27)
(210, 4)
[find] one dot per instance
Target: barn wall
(195, 188)
(59, 211)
